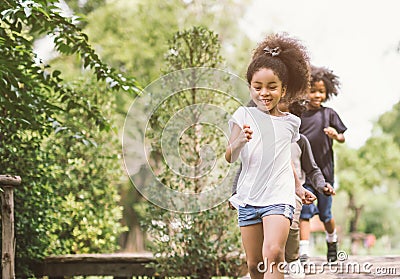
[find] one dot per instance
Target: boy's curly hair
(290, 62)
(330, 80)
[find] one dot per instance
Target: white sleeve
(296, 126)
(237, 118)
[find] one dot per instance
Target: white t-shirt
(267, 175)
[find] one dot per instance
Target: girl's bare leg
(252, 238)
(276, 230)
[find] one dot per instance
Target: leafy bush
(205, 243)
(198, 245)
(57, 138)
(68, 201)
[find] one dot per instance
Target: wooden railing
(7, 184)
(118, 265)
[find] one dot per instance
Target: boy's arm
(333, 134)
(306, 196)
(311, 169)
(336, 127)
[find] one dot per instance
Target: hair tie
(273, 52)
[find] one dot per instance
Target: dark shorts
(250, 215)
(323, 207)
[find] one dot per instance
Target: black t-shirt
(312, 126)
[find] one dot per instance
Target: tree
(133, 37)
(29, 90)
(35, 106)
(84, 7)
(371, 174)
(24, 81)
(382, 152)
(85, 179)
(389, 122)
(204, 243)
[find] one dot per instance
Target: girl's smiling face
(266, 91)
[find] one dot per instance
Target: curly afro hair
(287, 58)
(330, 80)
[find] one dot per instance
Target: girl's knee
(254, 267)
(274, 253)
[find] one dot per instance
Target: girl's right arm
(239, 137)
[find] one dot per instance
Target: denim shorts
(323, 207)
(250, 215)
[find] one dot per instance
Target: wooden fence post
(7, 184)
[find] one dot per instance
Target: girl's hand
(309, 197)
(230, 206)
(305, 195)
(247, 133)
(239, 137)
(244, 137)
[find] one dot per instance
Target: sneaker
(304, 258)
(332, 252)
(296, 270)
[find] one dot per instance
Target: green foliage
(57, 138)
(353, 168)
(370, 177)
(196, 245)
(364, 168)
(132, 36)
(381, 214)
(84, 7)
(189, 49)
(387, 164)
(28, 89)
(205, 243)
(68, 202)
(88, 216)
(390, 123)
